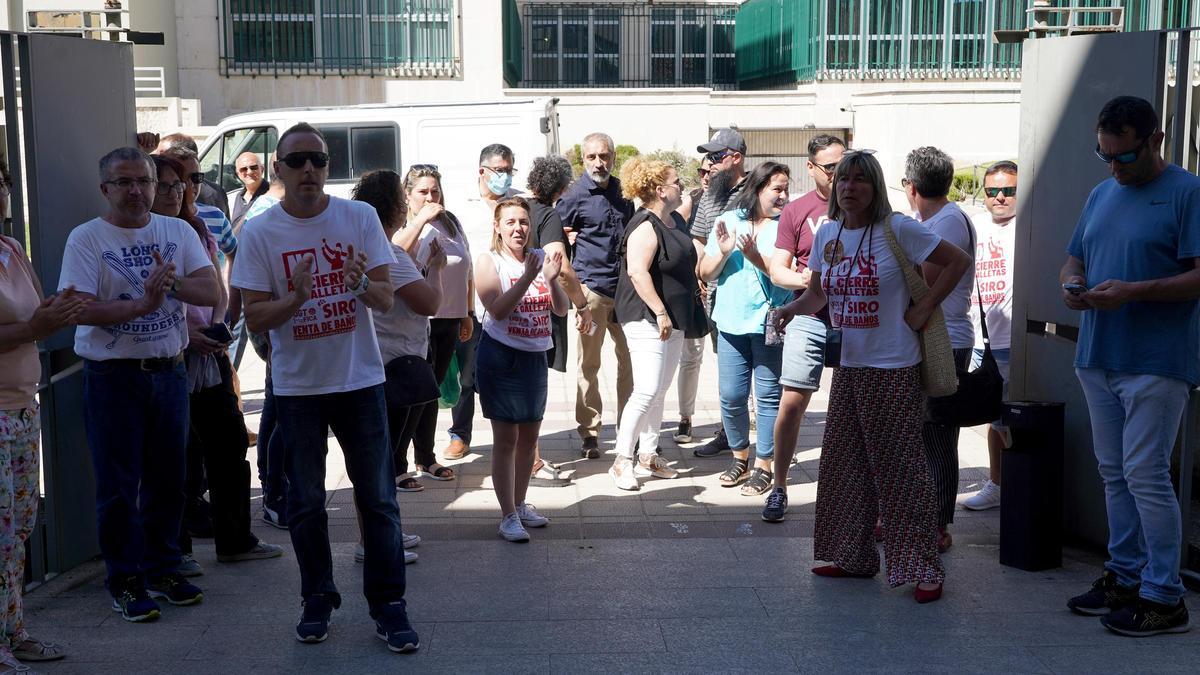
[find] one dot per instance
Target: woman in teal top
(736, 258)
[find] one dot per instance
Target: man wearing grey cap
(726, 152)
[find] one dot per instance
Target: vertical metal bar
(863, 19)
(1183, 86)
(12, 133)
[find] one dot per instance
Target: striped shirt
(220, 228)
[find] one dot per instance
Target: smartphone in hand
(219, 332)
(1074, 289)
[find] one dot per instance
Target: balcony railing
(595, 44)
(340, 37)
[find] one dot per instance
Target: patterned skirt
(873, 464)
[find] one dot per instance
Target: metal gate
(786, 146)
(67, 101)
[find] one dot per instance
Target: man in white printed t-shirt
(994, 256)
(311, 269)
(928, 174)
(139, 270)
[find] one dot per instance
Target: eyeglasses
(718, 156)
(905, 182)
(1128, 157)
(248, 169)
(508, 172)
(1006, 191)
(827, 168)
(297, 160)
(703, 172)
(167, 188)
(126, 183)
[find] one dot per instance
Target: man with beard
(595, 210)
(725, 153)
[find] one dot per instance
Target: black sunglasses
(249, 168)
(1128, 157)
(297, 160)
(196, 178)
(716, 157)
(827, 168)
(1010, 191)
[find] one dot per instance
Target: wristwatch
(364, 283)
(174, 287)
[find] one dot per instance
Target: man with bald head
(249, 168)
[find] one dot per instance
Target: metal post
(1183, 87)
(12, 131)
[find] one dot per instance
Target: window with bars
(338, 36)
(667, 44)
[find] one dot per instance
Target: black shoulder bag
(980, 391)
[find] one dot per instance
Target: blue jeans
(270, 455)
(738, 358)
(359, 422)
(464, 411)
(1135, 419)
(137, 427)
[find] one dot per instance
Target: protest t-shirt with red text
(329, 344)
(994, 255)
(867, 293)
(528, 326)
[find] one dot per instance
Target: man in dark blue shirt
(596, 212)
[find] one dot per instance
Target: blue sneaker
(393, 628)
(314, 620)
(135, 605)
(175, 589)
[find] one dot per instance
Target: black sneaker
(394, 629)
(135, 604)
(716, 446)
(175, 589)
(777, 505)
(1106, 596)
(591, 448)
(314, 619)
(274, 517)
(683, 433)
(1145, 618)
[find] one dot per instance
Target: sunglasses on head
(864, 151)
(297, 160)
(1010, 191)
(1128, 157)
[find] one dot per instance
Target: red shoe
(923, 596)
(836, 572)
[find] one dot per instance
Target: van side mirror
(545, 124)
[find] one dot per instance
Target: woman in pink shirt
(25, 318)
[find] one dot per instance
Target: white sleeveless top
(528, 326)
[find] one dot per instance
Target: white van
(367, 137)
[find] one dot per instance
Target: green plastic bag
(450, 386)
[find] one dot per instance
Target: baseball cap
(724, 139)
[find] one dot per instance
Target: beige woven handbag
(938, 375)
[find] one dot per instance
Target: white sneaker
(987, 498)
(512, 529)
(622, 473)
(530, 517)
(410, 557)
(653, 465)
(410, 540)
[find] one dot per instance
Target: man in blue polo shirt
(1132, 270)
(595, 210)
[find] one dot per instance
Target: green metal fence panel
(775, 42)
(298, 37)
(512, 43)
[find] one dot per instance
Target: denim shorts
(511, 383)
(803, 353)
(1002, 359)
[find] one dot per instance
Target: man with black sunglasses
(726, 155)
(311, 269)
(1132, 272)
(994, 258)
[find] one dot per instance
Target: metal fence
(626, 45)
(339, 37)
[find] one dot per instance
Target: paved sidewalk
(682, 576)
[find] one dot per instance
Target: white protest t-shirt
(528, 326)
(867, 293)
(112, 263)
(401, 331)
(329, 344)
(477, 216)
(458, 271)
(994, 255)
(951, 225)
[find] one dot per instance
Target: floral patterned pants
(20, 431)
(873, 463)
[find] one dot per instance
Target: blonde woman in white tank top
(519, 289)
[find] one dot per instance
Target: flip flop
(440, 473)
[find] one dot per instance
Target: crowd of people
(362, 307)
